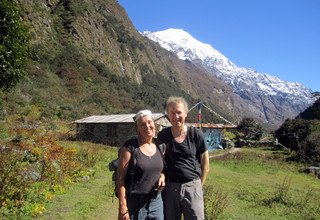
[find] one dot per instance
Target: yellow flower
(38, 209)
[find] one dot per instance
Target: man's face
(177, 114)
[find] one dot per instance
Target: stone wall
(113, 134)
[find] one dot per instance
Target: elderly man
(187, 164)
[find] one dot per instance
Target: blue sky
(278, 37)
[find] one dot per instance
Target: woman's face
(145, 126)
(177, 114)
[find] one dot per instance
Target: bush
(292, 133)
(249, 129)
(215, 201)
(13, 185)
(310, 150)
(34, 165)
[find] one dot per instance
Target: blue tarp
(213, 139)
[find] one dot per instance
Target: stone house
(114, 129)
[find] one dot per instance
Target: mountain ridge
(249, 84)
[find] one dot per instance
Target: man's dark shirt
(183, 159)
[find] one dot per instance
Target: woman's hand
(123, 215)
(161, 182)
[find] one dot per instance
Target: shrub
(71, 79)
(90, 155)
(215, 201)
(13, 185)
(310, 150)
(41, 53)
(3, 131)
(34, 166)
(249, 129)
(282, 190)
(292, 133)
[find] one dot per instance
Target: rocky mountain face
(270, 99)
(91, 57)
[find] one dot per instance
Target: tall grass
(215, 201)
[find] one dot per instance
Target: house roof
(116, 118)
(212, 125)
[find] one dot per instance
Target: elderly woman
(140, 197)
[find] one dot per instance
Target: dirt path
(226, 151)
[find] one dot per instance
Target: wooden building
(114, 129)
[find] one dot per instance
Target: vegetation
(293, 132)
(35, 166)
(68, 81)
(41, 174)
(261, 184)
(14, 44)
(248, 184)
(311, 113)
(302, 135)
(249, 129)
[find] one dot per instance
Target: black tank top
(146, 172)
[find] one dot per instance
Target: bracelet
(127, 211)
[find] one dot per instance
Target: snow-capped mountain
(247, 83)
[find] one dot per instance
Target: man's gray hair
(176, 100)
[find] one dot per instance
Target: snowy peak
(184, 45)
(239, 78)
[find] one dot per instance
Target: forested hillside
(87, 58)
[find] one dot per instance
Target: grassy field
(89, 199)
(247, 184)
(260, 184)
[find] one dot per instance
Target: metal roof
(212, 125)
(116, 118)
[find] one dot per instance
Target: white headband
(141, 114)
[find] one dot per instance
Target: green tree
(310, 150)
(250, 129)
(293, 133)
(14, 44)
